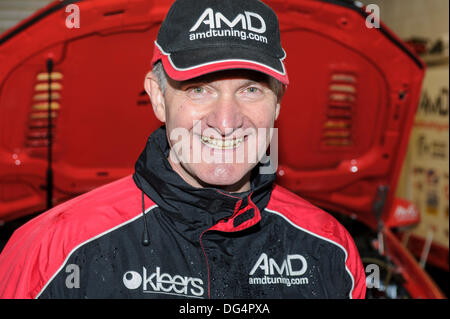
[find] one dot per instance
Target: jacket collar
(200, 208)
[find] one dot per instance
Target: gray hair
(161, 75)
(162, 78)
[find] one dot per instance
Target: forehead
(234, 74)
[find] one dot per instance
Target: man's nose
(226, 115)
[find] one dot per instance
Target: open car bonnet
(343, 129)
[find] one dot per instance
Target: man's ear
(156, 95)
(277, 110)
(279, 97)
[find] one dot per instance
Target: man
(200, 217)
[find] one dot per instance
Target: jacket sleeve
(322, 225)
(22, 262)
(38, 250)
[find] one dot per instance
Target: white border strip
(221, 61)
(323, 238)
(89, 240)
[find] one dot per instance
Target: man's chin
(227, 177)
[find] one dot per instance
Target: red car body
(343, 129)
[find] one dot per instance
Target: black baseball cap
(203, 36)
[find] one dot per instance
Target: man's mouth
(222, 144)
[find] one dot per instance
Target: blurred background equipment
(424, 180)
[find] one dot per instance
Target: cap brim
(190, 64)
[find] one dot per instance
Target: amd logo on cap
(198, 37)
(215, 21)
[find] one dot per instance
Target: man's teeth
(222, 144)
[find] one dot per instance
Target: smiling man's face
(218, 125)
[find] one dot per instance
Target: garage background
(425, 178)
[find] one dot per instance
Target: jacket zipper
(236, 208)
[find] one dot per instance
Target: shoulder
(39, 248)
(92, 212)
(306, 217)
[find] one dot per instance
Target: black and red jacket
(203, 243)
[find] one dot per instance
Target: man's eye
(253, 90)
(197, 90)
